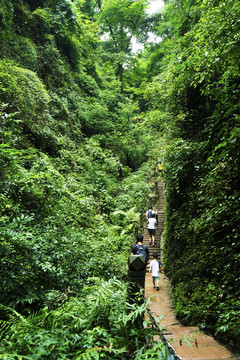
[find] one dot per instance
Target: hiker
(140, 249)
(160, 170)
(149, 212)
(155, 268)
(152, 221)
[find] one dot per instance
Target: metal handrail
(156, 325)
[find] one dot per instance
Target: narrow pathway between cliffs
(203, 347)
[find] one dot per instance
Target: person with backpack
(149, 212)
(152, 222)
(140, 249)
(155, 268)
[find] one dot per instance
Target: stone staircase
(160, 226)
(203, 347)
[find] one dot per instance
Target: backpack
(141, 251)
(149, 214)
(160, 265)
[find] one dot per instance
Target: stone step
(159, 228)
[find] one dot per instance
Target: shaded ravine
(203, 347)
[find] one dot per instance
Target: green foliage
(61, 217)
(118, 16)
(6, 15)
(100, 325)
(73, 183)
(24, 91)
(179, 18)
(196, 95)
(20, 49)
(119, 22)
(26, 94)
(75, 166)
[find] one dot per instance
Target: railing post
(136, 276)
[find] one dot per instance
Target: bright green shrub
(20, 49)
(24, 92)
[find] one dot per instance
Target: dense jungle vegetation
(83, 123)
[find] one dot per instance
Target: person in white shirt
(152, 221)
(155, 267)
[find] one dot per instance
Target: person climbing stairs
(159, 228)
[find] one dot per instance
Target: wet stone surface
(201, 347)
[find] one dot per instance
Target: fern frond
(89, 354)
